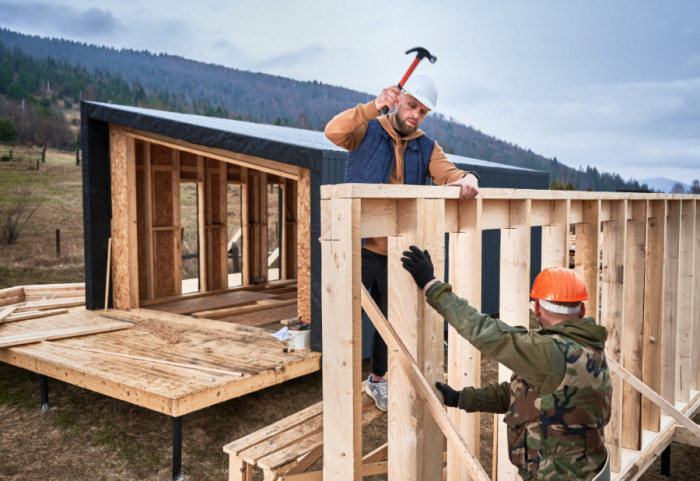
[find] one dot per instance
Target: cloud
(292, 59)
(55, 19)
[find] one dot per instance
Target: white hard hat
(423, 89)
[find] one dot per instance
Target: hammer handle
(402, 82)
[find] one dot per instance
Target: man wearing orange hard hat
(558, 399)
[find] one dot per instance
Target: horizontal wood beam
(249, 161)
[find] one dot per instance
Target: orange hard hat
(558, 284)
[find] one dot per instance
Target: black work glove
(420, 266)
(450, 396)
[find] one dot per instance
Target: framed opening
(274, 253)
(234, 234)
(190, 241)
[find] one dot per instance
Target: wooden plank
(653, 304)
(684, 436)
(176, 254)
(463, 360)
(670, 299)
(612, 286)
(193, 365)
(379, 218)
(342, 364)
(695, 363)
(686, 268)
(245, 226)
(6, 312)
(249, 161)
(303, 230)
(148, 242)
(33, 315)
(218, 300)
(51, 304)
(669, 408)
(633, 321)
(425, 390)
(22, 339)
(587, 260)
(123, 226)
(11, 295)
(555, 234)
(397, 191)
(414, 437)
(201, 223)
(291, 223)
(253, 306)
(513, 309)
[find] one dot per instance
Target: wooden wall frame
(653, 360)
(146, 171)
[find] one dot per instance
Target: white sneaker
(379, 391)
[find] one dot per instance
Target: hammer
(421, 53)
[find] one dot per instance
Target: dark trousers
(374, 278)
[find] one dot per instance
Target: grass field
(87, 436)
(53, 197)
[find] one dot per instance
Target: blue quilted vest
(373, 160)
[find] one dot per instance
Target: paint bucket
(299, 339)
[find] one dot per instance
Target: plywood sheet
(218, 361)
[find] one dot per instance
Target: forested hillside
(47, 76)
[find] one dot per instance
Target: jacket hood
(582, 330)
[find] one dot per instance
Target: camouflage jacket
(558, 400)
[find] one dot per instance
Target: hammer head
(422, 53)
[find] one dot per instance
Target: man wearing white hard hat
(391, 149)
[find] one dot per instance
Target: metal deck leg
(44, 389)
(666, 462)
(177, 449)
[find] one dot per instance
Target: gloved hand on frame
(419, 265)
(450, 396)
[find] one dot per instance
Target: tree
(695, 187)
(8, 133)
(677, 188)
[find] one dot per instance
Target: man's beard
(404, 128)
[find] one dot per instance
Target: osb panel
(161, 155)
(304, 245)
(188, 159)
(162, 193)
(164, 247)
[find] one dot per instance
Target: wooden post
(653, 308)
(633, 321)
(612, 313)
(463, 359)
(695, 362)
(58, 244)
(670, 299)
(587, 259)
(303, 244)
(342, 336)
(514, 301)
(415, 438)
(555, 235)
(124, 236)
(686, 268)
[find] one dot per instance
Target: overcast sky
(611, 84)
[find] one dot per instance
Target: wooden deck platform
(165, 362)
